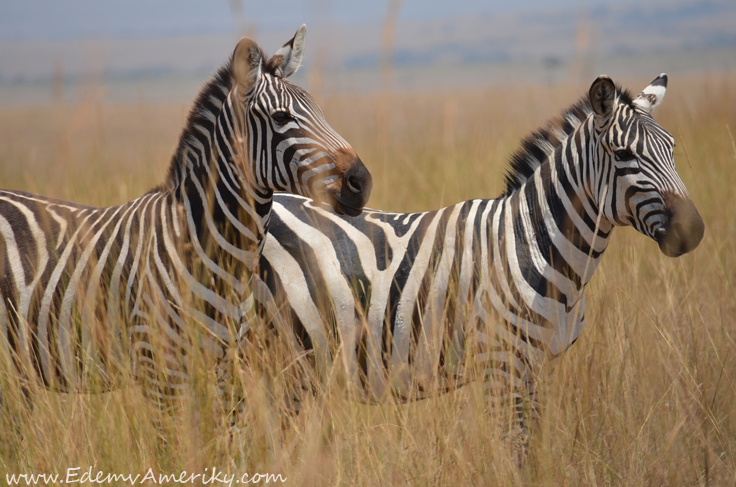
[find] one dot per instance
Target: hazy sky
(131, 42)
(71, 19)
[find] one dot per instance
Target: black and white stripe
(83, 288)
(411, 303)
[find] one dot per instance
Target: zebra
(85, 290)
(416, 304)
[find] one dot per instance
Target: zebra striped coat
(410, 303)
(82, 288)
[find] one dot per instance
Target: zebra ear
(247, 61)
(652, 95)
(287, 60)
(602, 95)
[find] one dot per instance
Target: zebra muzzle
(683, 229)
(355, 189)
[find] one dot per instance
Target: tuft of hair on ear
(288, 59)
(602, 95)
(273, 66)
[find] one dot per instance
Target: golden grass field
(647, 395)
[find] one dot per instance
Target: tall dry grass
(647, 396)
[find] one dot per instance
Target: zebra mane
(537, 147)
(200, 123)
(202, 118)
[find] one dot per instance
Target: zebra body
(83, 288)
(411, 303)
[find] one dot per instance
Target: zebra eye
(624, 155)
(281, 117)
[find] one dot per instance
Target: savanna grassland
(647, 395)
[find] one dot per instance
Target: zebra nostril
(353, 183)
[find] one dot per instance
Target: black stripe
(399, 281)
(425, 288)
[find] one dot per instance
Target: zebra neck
(560, 237)
(576, 176)
(224, 204)
(582, 232)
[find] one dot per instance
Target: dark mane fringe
(202, 117)
(201, 120)
(537, 147)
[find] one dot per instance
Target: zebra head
(288, 144)
(637, 182)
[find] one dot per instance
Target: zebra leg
(24, 384)
(230, 389)
(275, 343)
(512, 399)
(230, 380)
(158, 369)
(15, 410)
(271, 377)
(20, 389)
(16, 388)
